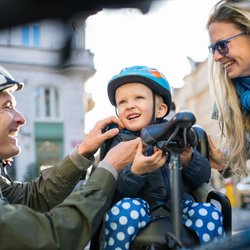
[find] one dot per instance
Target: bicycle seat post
(175, 185)
(172, 137)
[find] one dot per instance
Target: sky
(163, 38)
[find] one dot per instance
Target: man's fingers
(107, 121)
(110, 133)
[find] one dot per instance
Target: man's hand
(122, 154)
(95, 138)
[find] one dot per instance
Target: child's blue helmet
(151, 77)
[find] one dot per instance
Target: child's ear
(162, 109)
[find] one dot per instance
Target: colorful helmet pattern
(151, 77)
(8, 82)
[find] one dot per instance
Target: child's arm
(197, 171)
(132, 179)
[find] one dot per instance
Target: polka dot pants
(204, 219)
(128, 216)
(123, 222)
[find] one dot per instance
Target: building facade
(195, 97)
(50, 58)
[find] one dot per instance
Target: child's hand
(186, 156)
(143, 164)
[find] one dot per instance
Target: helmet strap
(116, 112)
(154, 120)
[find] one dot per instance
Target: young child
(142, 97)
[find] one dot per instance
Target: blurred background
(66, 52)
(171, 37)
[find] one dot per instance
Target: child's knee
(124, 221)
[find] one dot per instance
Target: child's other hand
(186, 156)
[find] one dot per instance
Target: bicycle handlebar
(176, 133)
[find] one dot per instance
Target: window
(47, 101)
(73, 36)
(31, 35)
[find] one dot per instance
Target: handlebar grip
(162, 131)
(202, 140)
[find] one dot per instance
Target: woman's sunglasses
(222, 46)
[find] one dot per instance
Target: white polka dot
(127, 245)
(191, 212)
(184, 217)
(134, 214)
(206, 204)
(136, 202)
(126, 205)
(143, 212)
(206, 237)
(120, 236)
(118, 248)
(106, 217)
(215, 239)
(106, 231)
(195, 204)
(115, 210)
(188, 223)
(111, 241)
(220, 230)
(185, 210)
(215, 215)
(210, 226)
(123, 220)
(203, 212)
(199, 223)
(119, 203)
(130, 230)
(113, 225)
(141, 224)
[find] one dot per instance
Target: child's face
(135, 104)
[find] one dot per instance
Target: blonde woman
(229, 70)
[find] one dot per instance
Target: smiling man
(45, 205)
(10, 118)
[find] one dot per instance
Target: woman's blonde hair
(233, 123)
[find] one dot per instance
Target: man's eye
(8, 106)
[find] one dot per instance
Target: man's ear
(161, 111)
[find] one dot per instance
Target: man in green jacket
(36, 215)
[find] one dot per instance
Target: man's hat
(8, 82)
